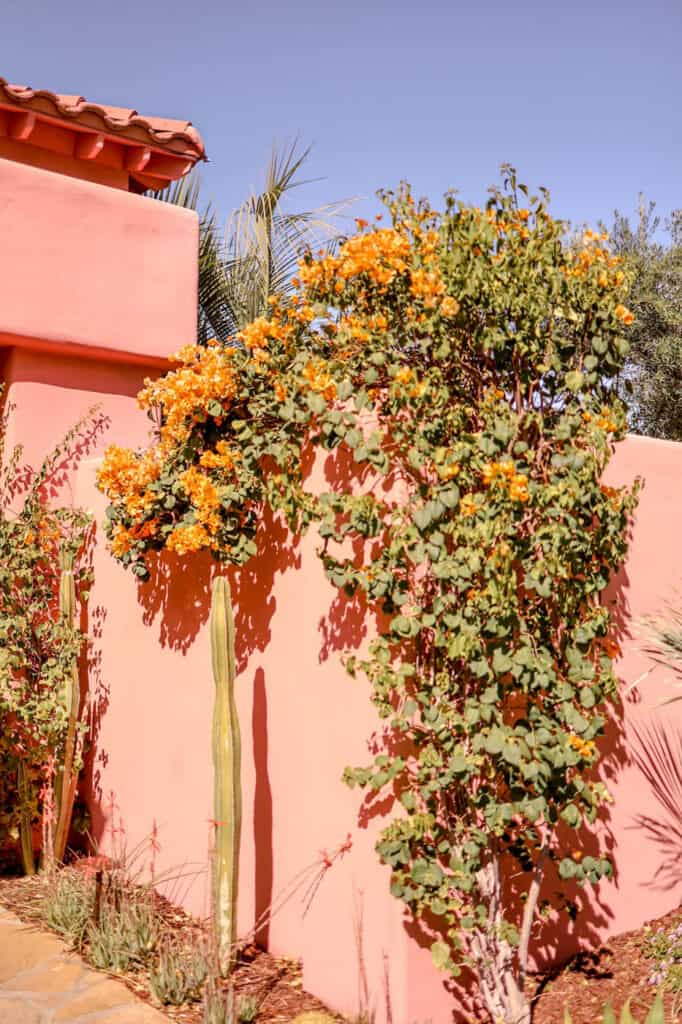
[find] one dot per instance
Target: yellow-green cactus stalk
(25, 822)
(67, 774)
(227, 795)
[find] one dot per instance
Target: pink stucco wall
(304, 719)
(100, 287)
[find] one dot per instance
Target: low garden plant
(42, 571)
(458, 371)
(663, 946)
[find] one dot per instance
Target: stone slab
(18, 1011)
(102, 995)
(54, 976)
(22, 948)
(134, 1013)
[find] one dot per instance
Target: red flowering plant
(464, 363)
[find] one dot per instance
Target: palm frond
(258, 253)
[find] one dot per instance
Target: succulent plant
(227, 796)
(178, 975)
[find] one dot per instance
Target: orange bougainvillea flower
(624, 314)
(320, 380)
(185, 539)
(449, 307)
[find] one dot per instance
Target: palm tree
(257, 255)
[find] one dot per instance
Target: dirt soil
(614, 973)
(275, 982)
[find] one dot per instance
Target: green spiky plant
(656, 1014)
(227, 794)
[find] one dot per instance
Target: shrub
(463, 365)
(39, 646)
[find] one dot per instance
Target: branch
(529, 913)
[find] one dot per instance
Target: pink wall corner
(95, 267)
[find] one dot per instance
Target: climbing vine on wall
(462, 364)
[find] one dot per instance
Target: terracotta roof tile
(176, 137)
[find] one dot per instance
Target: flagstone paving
(41, 982)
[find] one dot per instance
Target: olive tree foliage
(653, 371)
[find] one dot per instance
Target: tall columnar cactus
(67, 774)
(25, 819)
(227, 794)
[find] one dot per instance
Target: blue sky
(583, 97)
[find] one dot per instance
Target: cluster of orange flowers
(204, 497)
(505, 473)
(125, 476)
(586, 748)
(48, 534)
(603, 422)
(223, 458)
(206, 375)
(427, 285)
(262, 330)
(624, 315)
(186, 539)
(594, 254)
(380, 255)
(467, 506)
(407, 378)
(320, 380)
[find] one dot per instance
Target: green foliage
(481, 360)
(459, 371)
(178, 975)
(655, 1015)
(227, 792)
(654, 366)
(38, 647)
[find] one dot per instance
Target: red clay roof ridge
(177, 137)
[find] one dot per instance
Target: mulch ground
(276, 983)
(614, 973)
